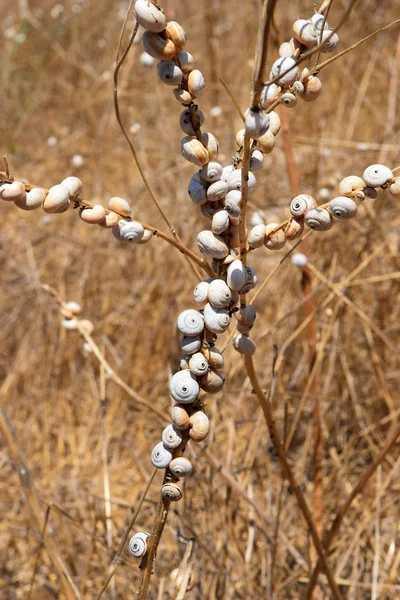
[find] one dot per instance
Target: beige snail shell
(219, 294)
(212, 245)
(180, 416)
(211, 172)
(184, 363)
(301, 204)
(212, 382)
(350, 184)
(294, 229)
(93, 216)
(161, 456)
(194, 151)
(298, 88)
(190, 322)
(217, 191)
(169, 72)
(240, 138)
(69, 323)
(197, 189)
(86, 326)
(220, 222)
(226, 171)
(200, 293)
(57, 200)
(198, 364)
(190, 344)
(159, 47)
(312, 89)
(176, 34)
(185, 121)
(266, 143)
(186, 62)
(12, 192)
(138, 544)
(73, 307)
(181, 467)
(244, 344)
(147, 236)
(32, 200)
(256, 123)
(119, 206)
(289, 100)
(216, 319)
(256, 236)
(236, 275)
(234, 181)
(318, 219)
(232, 203)
(183, 387)
(377, 175)
(274, 122)
(286, 69)
(305, 33)
(199, 426)
(183, 96)
(171, 437)
(171, 492)
(111, 220)
(215, 358)
(210, 142)
(276, 240)
(394, 188)
(149, 16)
(370, 192)
(74, 184)
(256, 160)
(195, 83)
(342, 208)
(269, 95)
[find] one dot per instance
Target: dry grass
(57, 82)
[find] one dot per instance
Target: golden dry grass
(57, 81)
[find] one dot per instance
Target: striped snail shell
(74, 184)
(210, 142)
(301, 204)
(289, 100)
(183, 387)
(170, 74)
(158, 47)
(220, 222)
(331, 40)
(200, 293)
(318, 219)
(350, 184)
(171, 437)
(276, 240)
(199, 426)
(212, 382)
(215, 358)
(269, 95)
(256, 160)
(181, 467)
(198, 364)
(194, 151)
(212, 245)
(217, 191)
(161, 456)
(186, 61)
(32, 200)
(190, 322)
(93, 216)
(179, 416)
(209, 209)
(256, 123)
(211, 172)
(244, 344)
(251, 280)
(342, 208)
(57, 200)
(294, 229)
(305, 32)
(195, 83)
(266, 142)
(377, 175)
(216, 319)
(236, 275)
(130, 231)
(394, 188)
(182, 96)
(185, 120)
(120, 206)
(13, 191)
(176, 34)
(138, 544)
(318, 20)
(286, 69)
(197, 189)
(149, 16)
(234, 181)
(219, 294)
(256, 236)
(171, 492)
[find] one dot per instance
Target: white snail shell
(331, 40)
(274, 122)
(266, 142)
(198, 364)
(305, 32)
(119, 206)
(234, 181)
(256, 123)
(236, 275)
(180, 467)
(190, 322)
(182, 96)
(211, 172)
(226, 171)
(301, 204)
(111, 220)
(251, 280)
(12, 191)
(276, 240)
(57, 200)
(256, 236)
(197, 190)
(186, 61)
(183, 387)
(342, 208)
(212, 245)
(194, 151)
(294, 229)
(93, 216)
(256, 160)
(161, 456)
(216, 319)
(200, 293)
(244, 344)
(217, 191)
(138, 544)
(209, 209)
(69, 323)
(318, 219)
(180, 417)
(219, 294)
(158, 47)
(350, 184)
(215, 358)
(185, 120)
(32, 200)
(130, 231)
(285, 49)
(212, 382)
(176, 34)
(171, 492)
(280, 67)
(269, 95)
(312, 89)
(377, 175)
(200, 426)
(74, 184)
(190, 344)
(195, 83)
(171, 437)
(318, 21)
(289, 100)
(298, 88)
(149, 16)
(394, 188)
(210, 142)
(231, 203)
(169, 73)
(220, 222)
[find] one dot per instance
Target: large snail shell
(190, 322)
(294, 229)
(217, 191)
(256, 123)
(211, 172)
(186, 61)
(182, 96)
(149, 16)
(131, 232)
(211, 143)
(377, 175)
(234, 181)
(394, 188)
(198, 364)
(298, 88)
(220, 222)
(183, 387)
(212, 382)
(209, 209)
(219, 294)
(274, 122)
(200, 426)
(171, 492)
(342, 208)
(57, 199)
(256, 236)
(318, 219)
(266, 142)
(301, 204)
(216, 319)
(176, 34)
(197, 190)
(318, 21)
(331, 40)
(350, 184)
(194, 151)
(244, 344)
(212, 245)
(286, 69)
(195, 83)
(171, 437)
(12, 191)
(159, 47)
(170, 74)
(33, 199)
(161, 456)
(119, 206)
(93, 216)
(185, 120)
(236, 275)
(180, 467)
(215, 358)
(247, 315)
(305, 32)
(200, 293)
(190, 344)
(256, 161)
(269, 95)
(138, 544)
(180, 417)
(274, 241)
(74, 184)
(312, 89)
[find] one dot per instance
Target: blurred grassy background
(56, 105)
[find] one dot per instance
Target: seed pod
(286, 69)
(318, 21)
(57, 200)
(312, 89)
(318, 219)
(342, 208)
(149, 16)
(289, 100)
(194, 151)
(209, 209)
(256, 160)
(216, 319)
(200, 293)
(269, 95)
(301, 204)
(349, 184)
(158, 47)
(180, 417)
(236, 275)
(185, 121)
(74, 184)
(200, 426)
(180, 467)
(171, 492)
(331, 40)
(195, 83)
(210, 142)
(305, 33)
(183, 96)
(183, 387)
(169, 72)
(171, 437)
(234, 181)
(176, 34)
(244, 344)
(93, 216)
(190, 344)
(215, 358)
(12, 192)
(220, 222)
(32, 200)
(190, 322)
(219, 294)
(198, 364)
(161, 456)
(120, 206)
(256, 123)
(266, 142)
(138, 544)
(197, 190)
(212, 382)
(377, 175)
(394, 188)
(186, 62)
(294, 229)
(212, 245)
(256, 237)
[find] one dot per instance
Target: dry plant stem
(245, 193)
(234, 101)
(261, 52)
(186, 568)
(347, 503)
(280, 449)
(39, 552)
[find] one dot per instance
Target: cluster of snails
(55, 200)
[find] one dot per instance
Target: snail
(217, 191)
(350, 184)
(147, 236)
(13, 191)
(190, 322)
(128, 231)
(170, 74)
(211, 172)
(159, 47)
(394, 188)
(171, 437)
(183, 387)
(247, 315)
(244, 345)
(57, 200)
(377, 175)
(210, 142)
(251, 280)
(186, 62)
(342, 208)
(190, 344)
(74, 184)
(212, 245)
(216, 319)
(69, 323)
(239, 138)
(234, 181)
(179, 416)
(285, 50)
(138, 544)
(161, 456)
(119, 206)
(185, 120)
(219, 294)
(171, 492)
(301, 204)
(220, 222)
(200, 293)
(256, 236)
(236, 275)
(180, 467)
(294, 229)
(197, 190)
(176, 34)
(370, 192)
(111, 220)
(146, 60)
(289, 100)
(274, 122)
(149, 16)
(318, 21)
(331, 40)
(305, 32)
(312, 89)
(231, 203)
(32, 200)
(298, 88)
(199, 426)
(209, 209)
(256, 123)
(276, 240)
(194, 151)
(212, 382)
(286, 69)
(198, 364)
(256, 160)
(318, 219)
(195, 83)
(184, 362)
(215, 358)
(269, 95)
(94, 215)
(226, 171)
(182, 96)
(266, 142)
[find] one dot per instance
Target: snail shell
(244, 344)
(119, 206)
(298, 88)
(318, 21)
(190, 322)
(305, 32)
(377, 175)
(342, 208)
(74, 184)
(370, 192)
(93, 216)
(294, 229)
(285, 49)
(240, 138)
(256, 160)
(256, 123)
(211, 172)
(215, 358)
(111, 220)
(57, 200)
(171, 437)
(180, 417)
(220, 222)
(212, 245)
(195, 83)
(87, 326)
(73, 307)
(236, 275)
(274, 122)
(69, 323)
(194, 151)
(171, 492)
(149, 16)
(200, 426)
(289, 100)
(212, 382)
(169, 73)
(131, 231)
(318, 219)
(182, 96)
(159, 47)
(161, 456)
(256, 236)
(197, 190)
(234, 181)
(185, 121)
(184, 363)
(183, 387)
(190, 344)
(198, 364)
(350, 184)
(226, 171)
(219, 294)
(331, 40)
(186, 62)
(247, 315)
(269, 95)
(231, 204)
(147, 236)
(211, 143)
(312, 89)
(180, 467)
(242, 328)
(216, 319)
(266, 143)
(394, 188)
(33, 199)
(138, 543)
(176, 34)
(301, 204)
(217, 191)
(286, 69)
(200, 293)
(209, 209)
(12, 191)
(251, 280)
(274, 241)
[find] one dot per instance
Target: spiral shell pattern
(301, 204)
(171, 492)
(138, 544)
(377, 175)
(183, 387)
(171, 437)
(190, 322)
(342, 208)
(161, 456)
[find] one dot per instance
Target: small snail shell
(200, 293)
(216, 319)
(74, 184)
(120, 206)
(190, 322)
(318, 219)
(236, 275)
(220, 222)
(377, 175)
(247, 315)
(33, 199)
(182, 96)
(294, 229)
(394, 188)
(331, 40)
(169, 72)
(180, 467)
(269, 95)
(138, 543)
(73, 307)
(297, 47)
(176, 34)
(190, 344)
(305, 74)
(242, 328)
(171, 437)
(301, 204)
(161, 456)
(69, 323)
(149, 16)
(232, 204)
(198, 364)
(318, 21)
(180, 417)
(274, 122)
(274, 241)
(200, 426)
(209, 209)
(226, 171)
(184, 363)
(256, 237)
(211, 172)
(251, 280)
(185, 121)
(289, 100)
(298, 88)
(305, 32)
(286, 69)
(359, 195)
(219, 294)
(234, 181)
(183, 387)
(240, 138)
(256, 160)
(212, 382)
(342, 208)
(12, 191)
(147, 236)
(159, 47)
(312, 89)
(93, 216)
(186, 62)
(211, 143)
(171, 492)
(87, 326)
(256, 123)
(285, 50)
(370, 192)
(146, 60)
(266, 142)
(215, 358)
(131, 231)
(217, 191)
(111, 220)
(197, 190)
(244, 344)
(194, 151)
(195, 83)
(57, 199)
(212, 245)
(349, 184)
